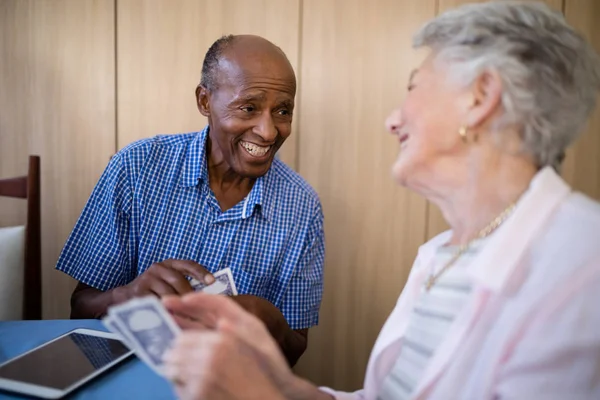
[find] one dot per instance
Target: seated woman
(502, 306)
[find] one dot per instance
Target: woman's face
(427, 126)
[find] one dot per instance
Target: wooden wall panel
(435, 221)
(445, 5)
(582, 165)
(160, 48)
(356, 59)
(352, 58)
(57, 100)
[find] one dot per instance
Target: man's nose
(266, 128)
(394, 121)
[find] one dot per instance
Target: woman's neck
(470, 204)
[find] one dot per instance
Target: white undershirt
(429, 322)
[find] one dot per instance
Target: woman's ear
(202, 100)
(487, 98)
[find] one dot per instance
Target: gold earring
(463, 133)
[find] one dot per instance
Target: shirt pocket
(253, 271)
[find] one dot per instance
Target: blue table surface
(131, 379)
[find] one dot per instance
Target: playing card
(223, 284)
(149, 327)
(114, 328)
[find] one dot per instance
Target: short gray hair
(550, 73)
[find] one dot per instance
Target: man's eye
(283, 112)
(247, 109)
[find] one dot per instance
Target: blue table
(131, 379)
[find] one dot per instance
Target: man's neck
(225, 178)
(228, 186)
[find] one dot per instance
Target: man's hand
(266, 312)
(292, 343)
(161, 279)
(166, 278)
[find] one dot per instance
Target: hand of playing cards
(223, 284)
(147, 328)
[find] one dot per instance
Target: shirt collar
(195, 172)
(194, 165)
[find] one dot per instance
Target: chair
(28, 187)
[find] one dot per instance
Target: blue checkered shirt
(153, 202)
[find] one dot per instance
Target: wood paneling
(448, 4)
(356, 59)
(352, 58)
(435, 221)
(160, 48)
(582, 165)
(56, 100)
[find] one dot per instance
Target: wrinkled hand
(238, 338)
(166, 278)
(217, 365)
(262, 309)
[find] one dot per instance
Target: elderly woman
(505, 304)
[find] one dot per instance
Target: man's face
(250, 111)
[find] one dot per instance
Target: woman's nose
(393, 121)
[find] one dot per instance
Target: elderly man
(185, 206)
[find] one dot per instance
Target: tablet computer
(56, 368)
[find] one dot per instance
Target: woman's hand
(227, 353)
(216, 365)
(237, 336)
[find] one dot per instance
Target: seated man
(184, 206)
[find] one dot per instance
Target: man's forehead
(255, 64)
(254, 94)
(257, 72)
(254, 56)
(259, 90)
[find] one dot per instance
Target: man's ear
(202, 100)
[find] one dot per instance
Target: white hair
(550, 73)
